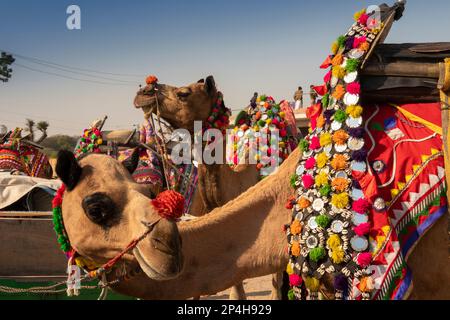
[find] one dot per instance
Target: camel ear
(132, 162)
(210, 85)
(68, 169)
(201, 81)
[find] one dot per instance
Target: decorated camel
(366, 192)
(244, 237)
(218, 183)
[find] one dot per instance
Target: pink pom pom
(362, 229)
(310, 163)
(364, 259)
(363, 19)
(354, 88)
(283, 133)
(295, 280)
(358, 40)
(275, 122)
(327, 77)
(308, 181)
(360, 205)
(314, 143)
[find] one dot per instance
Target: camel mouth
(150, 270)
(144, 101)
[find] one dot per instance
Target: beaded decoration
(253, 131)
(329, 229)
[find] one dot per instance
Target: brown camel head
(104, 210)
(180, 106)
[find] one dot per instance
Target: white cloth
(298, 104)
(14, 187)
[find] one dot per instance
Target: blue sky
(265, 46)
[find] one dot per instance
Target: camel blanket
(15, 187)
(407, 171)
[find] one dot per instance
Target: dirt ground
(256, 289)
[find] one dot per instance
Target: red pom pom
(362, 229)
(169, 204)
(295, 280)
(354, 88)
(361, 206)
(151, 80)
(364, 259)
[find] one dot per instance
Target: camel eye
(184, 92)
(100, 209)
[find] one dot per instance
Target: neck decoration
(329, 232)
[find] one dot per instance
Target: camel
(240, 240)
(217, 183)
(102, 197)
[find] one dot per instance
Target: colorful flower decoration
(89, 142)
(330, 240)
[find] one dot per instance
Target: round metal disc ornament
(355, 54)
(299, 216)
(336, 125)
(357, 194)
(355, 143)
(378, 166)
(340, 147)
(318, 205)
(308, 154)
(351, 99)
(328, 149)
(344, 62)
(379, 204)
(312, 223)
(359, 218)
(341, 174)
(337, 226)
(312, 242)
(354, 122)
(300, 170)
(358, 166)
(240, 133)
(351, 77)
(359, 243)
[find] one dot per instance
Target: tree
(42, 126)
(6, 60)
(30, 129)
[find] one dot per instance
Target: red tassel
(169, 204)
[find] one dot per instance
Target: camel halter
(169, 205)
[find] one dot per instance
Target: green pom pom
(291, 295)
(293, 180)
(325, 100)
(341, 41)
(352, 65)
(304, 145)
(317, 254)
(83, 140)
(325, 190)
(323, 221)
(340, 116)
(263, 97)
(270, 113)
(261, 123)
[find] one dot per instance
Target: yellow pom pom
(258, 99)
(256, 128)
(325, 139)
(334, 47)
(289, 269)
(269, 121)
(337, 255)
(312, 284)
(282, 114)
(340, 200)
(321, 179)
(282, 145)
(321, 160)
(334, 242)
(354, 111)
(99, 141)
(257, 157)
(358, 14)
(338, 72)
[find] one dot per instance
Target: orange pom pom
(337, 60)
(339, 92)
(339, 162)
(151, 80)
(169, 204)
(340, 137)
(296, 227)
(304, 203)
(340, 184)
